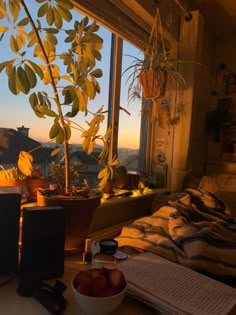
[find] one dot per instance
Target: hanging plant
(149, 75)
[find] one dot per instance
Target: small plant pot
(17, 186)
(109, 187)
(121, 181)
(32, 185)
(153, 83)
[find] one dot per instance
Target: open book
(173, 289)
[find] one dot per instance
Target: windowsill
(114, 213)
(119, 210)
(117, 197)
(136, 194)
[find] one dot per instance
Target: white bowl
(89, 305)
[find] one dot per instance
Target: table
(13, 304)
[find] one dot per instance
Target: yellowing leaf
(91, 147)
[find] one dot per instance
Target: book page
(177, 289)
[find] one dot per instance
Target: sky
(15, 111)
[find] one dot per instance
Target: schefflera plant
(71, 74)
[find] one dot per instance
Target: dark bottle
(87, 254)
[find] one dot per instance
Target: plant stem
(56, 97)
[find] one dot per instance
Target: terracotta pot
(78, 215)
(121, 181)
(109, 187)
(153, 83)
(32, 184)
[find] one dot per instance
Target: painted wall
(201, 101)
(224, 53)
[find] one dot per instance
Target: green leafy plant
(72, 73)
(57, 174)
(154, 73)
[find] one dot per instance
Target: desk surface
(13, 304)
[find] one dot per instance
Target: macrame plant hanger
(152, 79)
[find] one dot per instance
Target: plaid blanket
(193, 231)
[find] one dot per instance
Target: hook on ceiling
(157, 2)
(188, 15)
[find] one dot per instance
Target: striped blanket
(193, 231)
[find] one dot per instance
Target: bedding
(194, 230)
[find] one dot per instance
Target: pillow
(229, 200)
(221, 182)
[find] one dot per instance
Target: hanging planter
(153, 83)
(150, 75)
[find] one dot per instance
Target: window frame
(136, 35)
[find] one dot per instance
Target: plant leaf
(12, 82)
(22, 80)
(31, 76)
(54, 130)
(43, 10)
(36, 68)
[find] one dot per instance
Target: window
(128, 131)
(130, 115)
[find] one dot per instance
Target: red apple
(82, 277)
(116, 279)
(95, 272)
(106, 270)
(100, 282)
(86, 288)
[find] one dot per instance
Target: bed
(195, 228)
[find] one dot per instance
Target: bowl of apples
(98, 291)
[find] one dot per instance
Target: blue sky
(16, 110)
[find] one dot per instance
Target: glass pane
(16, 110)
(129, 124)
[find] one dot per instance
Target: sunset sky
(16, 110)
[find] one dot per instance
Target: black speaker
(43, 238)
(9, 232)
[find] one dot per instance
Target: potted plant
(121, 178)
(158, 67)
(12, 177)
(34, 182)
(71, 75)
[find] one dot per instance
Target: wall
(120, 210)
(224, 53)
(201, 101)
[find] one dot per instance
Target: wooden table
(13, 304)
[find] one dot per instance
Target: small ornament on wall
(161, 157)
(166, 119)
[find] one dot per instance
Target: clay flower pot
(32, 184)
(16, 185)
(78, 216)
(153, 83)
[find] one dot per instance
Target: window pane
(129, 125)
